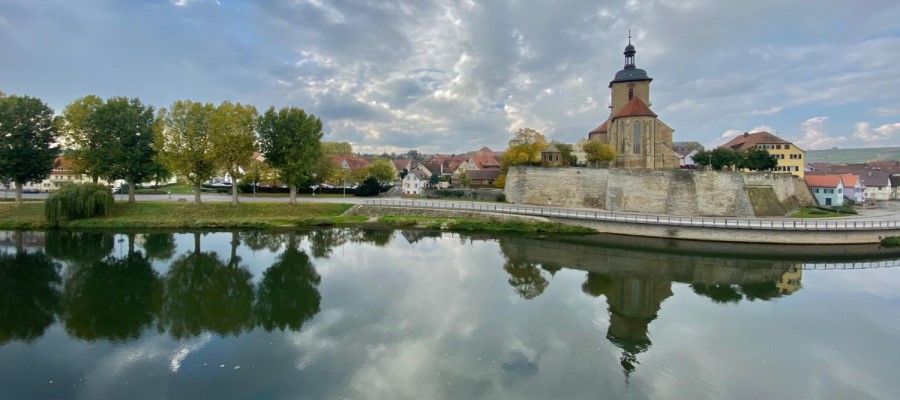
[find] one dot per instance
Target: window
(778, 146)
(787, 147)
(630, 93)
(817, 190)
(636, 138)
(622, 136)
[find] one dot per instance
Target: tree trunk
(18, 194)
(95, 179)
(130, 190)
(197, 192)
(234, 194)
(293, 197)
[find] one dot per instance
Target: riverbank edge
(308, 215)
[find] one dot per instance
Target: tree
(434, 180)
(568, 157)
(185, 142)
(759, 160)
(403, 173)
(127, 126)
(291, 142)
(524, 149)
(331, 148)
(599, 153)
(86, 142)
(28, 136)
(288, 294)
(382, 171)
(234, 140)
(720, 158)
(464, 180)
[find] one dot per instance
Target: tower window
(630, 93)
(636, 138)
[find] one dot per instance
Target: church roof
(635, 108)
(630, 75)
(603, 128)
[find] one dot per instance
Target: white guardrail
(707, 222)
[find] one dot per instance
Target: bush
(76, 202)
(369, 187)
(450, 193)
(501, 198)
(891, 241)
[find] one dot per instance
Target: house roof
(750, 140)
(354, 163)
(823, 181)
(603, 128)
(635, 108)
(61, 165)
(551, 148)
(850, 179)
(483, 174)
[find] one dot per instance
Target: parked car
(29, 190)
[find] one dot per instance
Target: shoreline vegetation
(250, 215)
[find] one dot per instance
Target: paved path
(885, 214)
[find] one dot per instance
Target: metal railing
(706, 222)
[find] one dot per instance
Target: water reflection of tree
(288, 294)
(79, 247)
(29, 295)
(114, 299)
(203, 293)
(719, 293)
(526, 279)
(160, 246)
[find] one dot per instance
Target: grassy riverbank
(255, 215)
(186, 215)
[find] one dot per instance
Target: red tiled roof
(850, 180)
(603, 128)
(635, 108)
(826, 181)
(750, 140)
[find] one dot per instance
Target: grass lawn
(813, 212)
(187, 215)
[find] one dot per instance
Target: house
(877, 185)
(551, 156)
(414, 182)
(894, 180)
(478, 177)
(686, 158)
(578, 151)
(790, 157)
(63, 173)
(400, 165)
(827, 189)
(853, 188)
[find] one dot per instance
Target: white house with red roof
(827, 189)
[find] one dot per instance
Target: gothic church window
(636, 138)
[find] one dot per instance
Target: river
(413, 314)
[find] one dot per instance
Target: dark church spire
(629, 53)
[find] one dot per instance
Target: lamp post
(710, 162)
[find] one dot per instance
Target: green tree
(599, 153)
(28, 136)
(291, 142)
(185, 142)
(333, 148)
(234, 140)
(464, 180)
(434, 180)
(86, 143)
(381, 170)
(759, 160)
(724, 158)
(128, 126)
(567, 153)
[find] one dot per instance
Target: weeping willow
(78, 201)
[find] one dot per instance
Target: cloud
(813, 136)
(885, 111)
(884, 135)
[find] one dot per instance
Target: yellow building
(790, 157)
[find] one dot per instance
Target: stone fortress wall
(669, 192)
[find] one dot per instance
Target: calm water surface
(381, 314)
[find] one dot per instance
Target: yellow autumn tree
(524, 149)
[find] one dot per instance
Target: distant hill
(854, 156)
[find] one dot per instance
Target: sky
(452, 76)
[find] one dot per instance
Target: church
(640, 139)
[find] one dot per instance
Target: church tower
(640, 139)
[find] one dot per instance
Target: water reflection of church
(635, 283)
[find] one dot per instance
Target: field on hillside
(854, 156)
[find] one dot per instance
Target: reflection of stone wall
(649, 265)
(672, 192)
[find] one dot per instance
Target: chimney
(746, 134)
